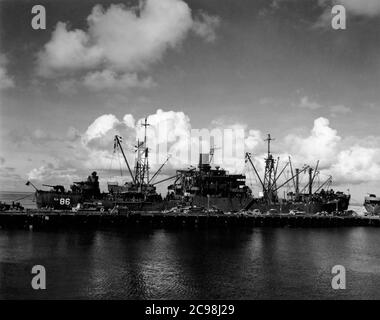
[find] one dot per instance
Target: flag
(27, 183)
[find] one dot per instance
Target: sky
(263, 66)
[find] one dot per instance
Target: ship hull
(67, 201)
(56, 200)
(304, 207)
(225, 204)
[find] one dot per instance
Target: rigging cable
(28, 195)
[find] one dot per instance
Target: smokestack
(297, 182)
(204, 161)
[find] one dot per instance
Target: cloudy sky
(262, 66)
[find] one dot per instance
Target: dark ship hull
(68, 201)
(56, 200)
(221, 203)
(225, 204)
(304, 207)
(339, 205)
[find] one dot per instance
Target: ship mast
(269, 174)
(142, 162)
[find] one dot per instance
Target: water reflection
(197, 264)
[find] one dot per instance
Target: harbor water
(262, 263)
(148, 263)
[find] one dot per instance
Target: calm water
(202, 264)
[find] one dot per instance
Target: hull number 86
(64, 201)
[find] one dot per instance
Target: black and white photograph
(193, 150)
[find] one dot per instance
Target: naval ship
(138, 194)
(209, 188)
(305, 200)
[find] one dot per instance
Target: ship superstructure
(211, 188)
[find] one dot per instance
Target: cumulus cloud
(103, 127)
(123, 39)
(357, 164)
(6, 81)
(347, 161)
(68, 51)
(321, 144)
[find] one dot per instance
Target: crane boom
(117, 143)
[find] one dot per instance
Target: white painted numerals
(63, 201)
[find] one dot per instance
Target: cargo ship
(210, 188)
(306, 200)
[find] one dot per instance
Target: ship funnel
(204, 161)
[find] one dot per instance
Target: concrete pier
(94, 219)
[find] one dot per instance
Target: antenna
(269, 139)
